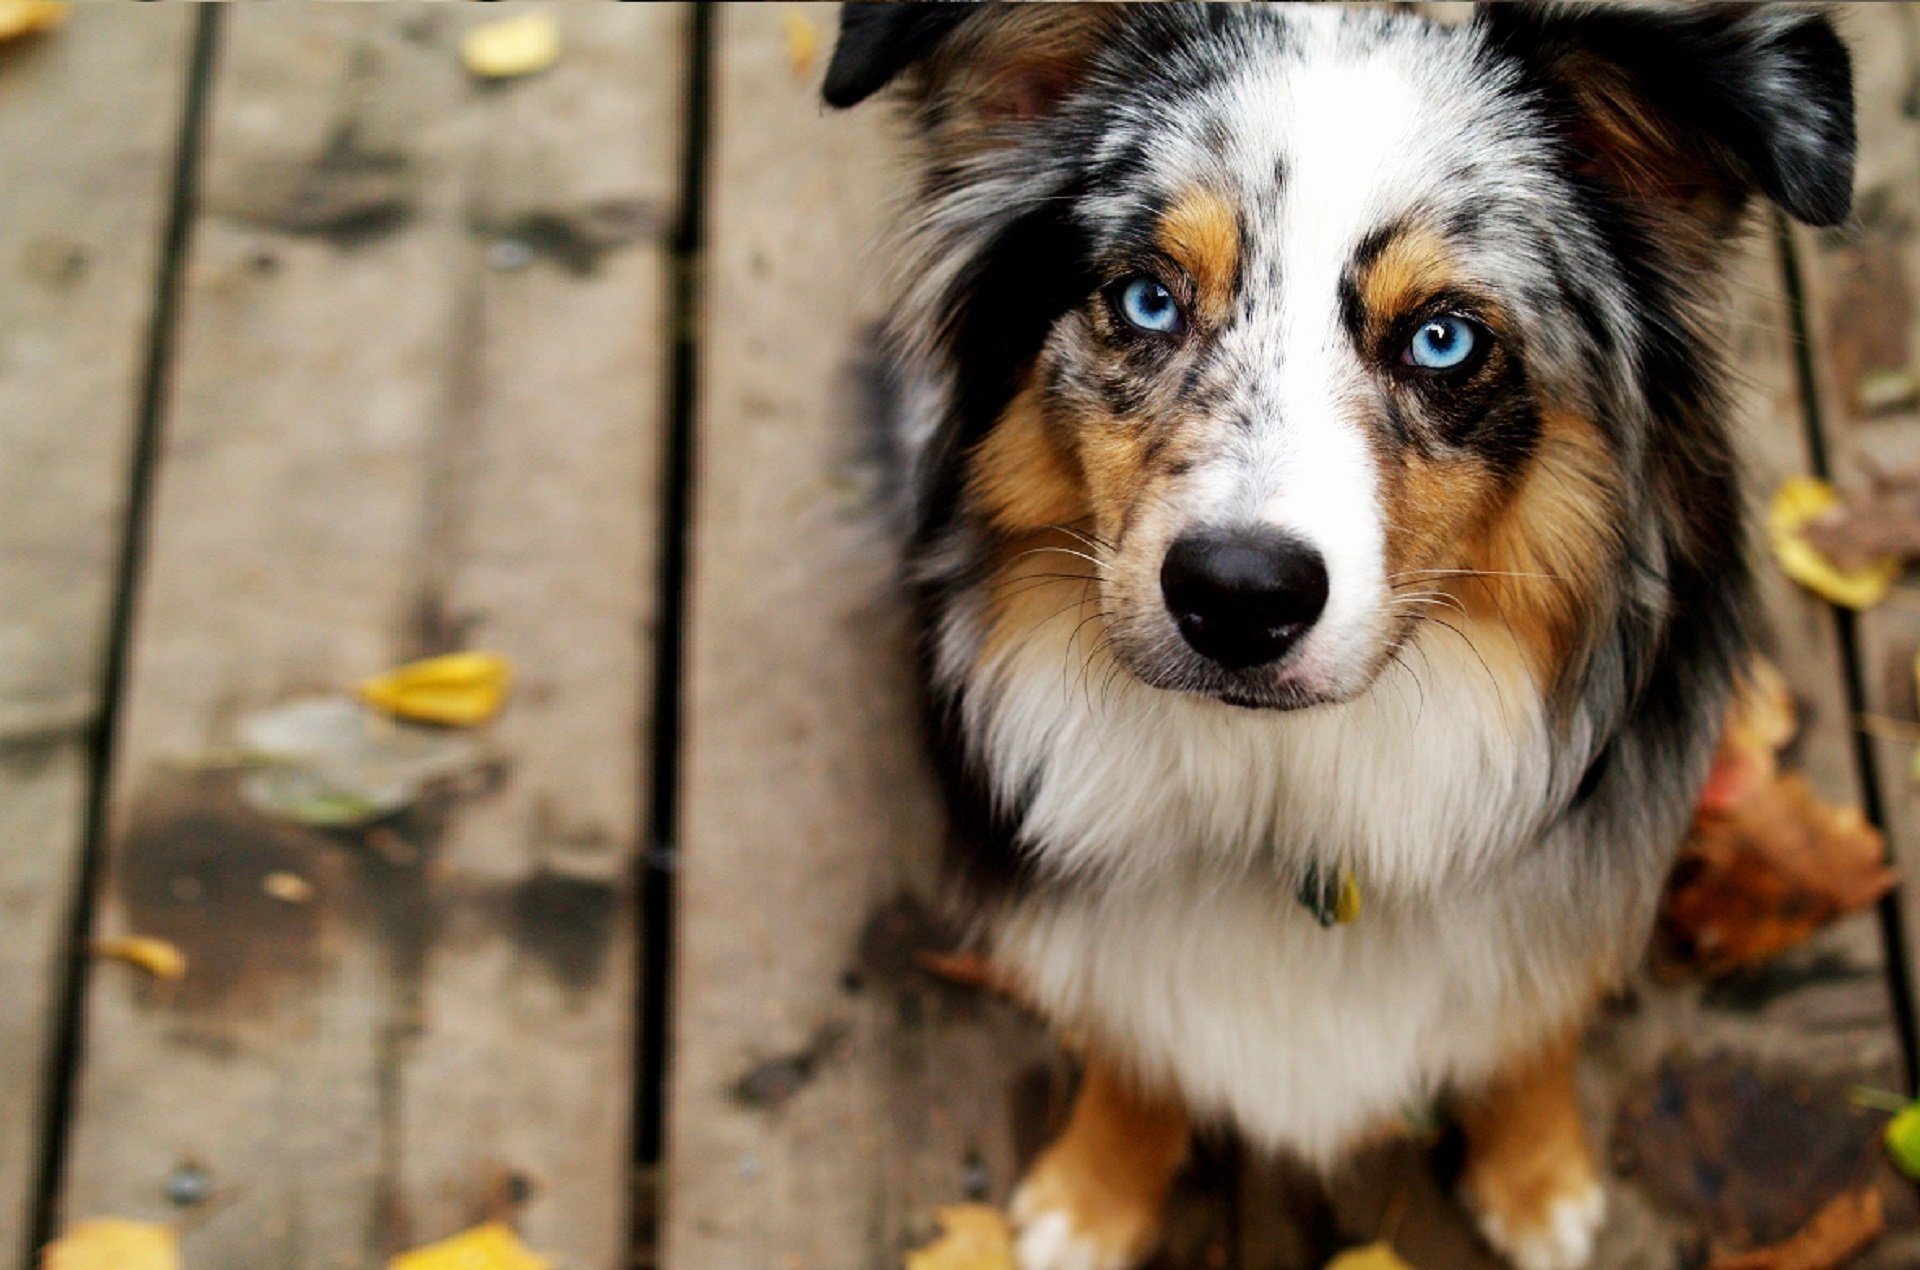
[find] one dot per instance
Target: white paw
(1047, 1239)
(1564, 1242)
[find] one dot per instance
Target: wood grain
(89, 117)
(1861, 321)
(809, 825)
(418, 405)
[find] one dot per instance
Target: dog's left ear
(880, 40)
(1676, 102)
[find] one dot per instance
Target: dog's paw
(1558, 1235)
(1060, 1227)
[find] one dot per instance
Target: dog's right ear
(980, 67)
(879, 40)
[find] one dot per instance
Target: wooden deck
(316, 356)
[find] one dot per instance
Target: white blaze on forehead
(1348, 134)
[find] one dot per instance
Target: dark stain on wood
(770, 1084)
(1745, 1154)
(193, 868)
(1752, 989)
(894, 936)
(566, 924)
(349, 194)
(578, 239)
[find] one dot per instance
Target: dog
(1323, 521)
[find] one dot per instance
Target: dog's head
(1299, 328)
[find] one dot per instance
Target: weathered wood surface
(86, 176)
(1861, 322)
(807, 814)
(390, 435)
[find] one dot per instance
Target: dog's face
(1289, 332)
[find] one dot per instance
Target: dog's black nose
(1243, 597)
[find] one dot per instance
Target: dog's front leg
(1530, 1176)
(1092, 1200)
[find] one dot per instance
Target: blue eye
(1149, 306)
(1444, 342)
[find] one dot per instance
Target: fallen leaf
(973, 1237)
(110, 1243)
(289, 888)
(512, 46)
(492, 1246)
(1374, 1256)
(803, 40)
(966, 969)
(24, 17)
(1902, 1137)
(1865, 526)
(1759, 722)
(459, 689)
(333, 763)
(1799, 504)
(162, 960)
(1837, 1233)
(1763, 876)
(1885, 392)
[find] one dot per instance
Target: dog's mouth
(1264, 688)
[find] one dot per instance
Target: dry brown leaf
(492, 1246)
(110, 1243)
(162, 960)
(972, 1237)
(1764, 875)
(1831, 1238)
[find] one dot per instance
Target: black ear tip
(878, 41)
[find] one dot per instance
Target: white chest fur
(1177, 940)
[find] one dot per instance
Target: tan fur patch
(1109, 1172)
(1021, 477)
(1547, 553)
(1527, 1145)
(1530, 561)
(1413, 266)
(1201, 232)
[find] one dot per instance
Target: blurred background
(458, 776)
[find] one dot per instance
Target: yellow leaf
(1796, 504)
(162, 960)
(972, 1237)
(512, 46)
(109, 1243)
(803, 40)
(1373, 1256)
(489, 1247)
(1903, 1140)
(461, 689)
(24, 17)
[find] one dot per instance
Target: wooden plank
(418, 405)
(809, 827)
(1861, 320)
(89, 117)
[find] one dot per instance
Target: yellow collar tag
(1333, 901)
